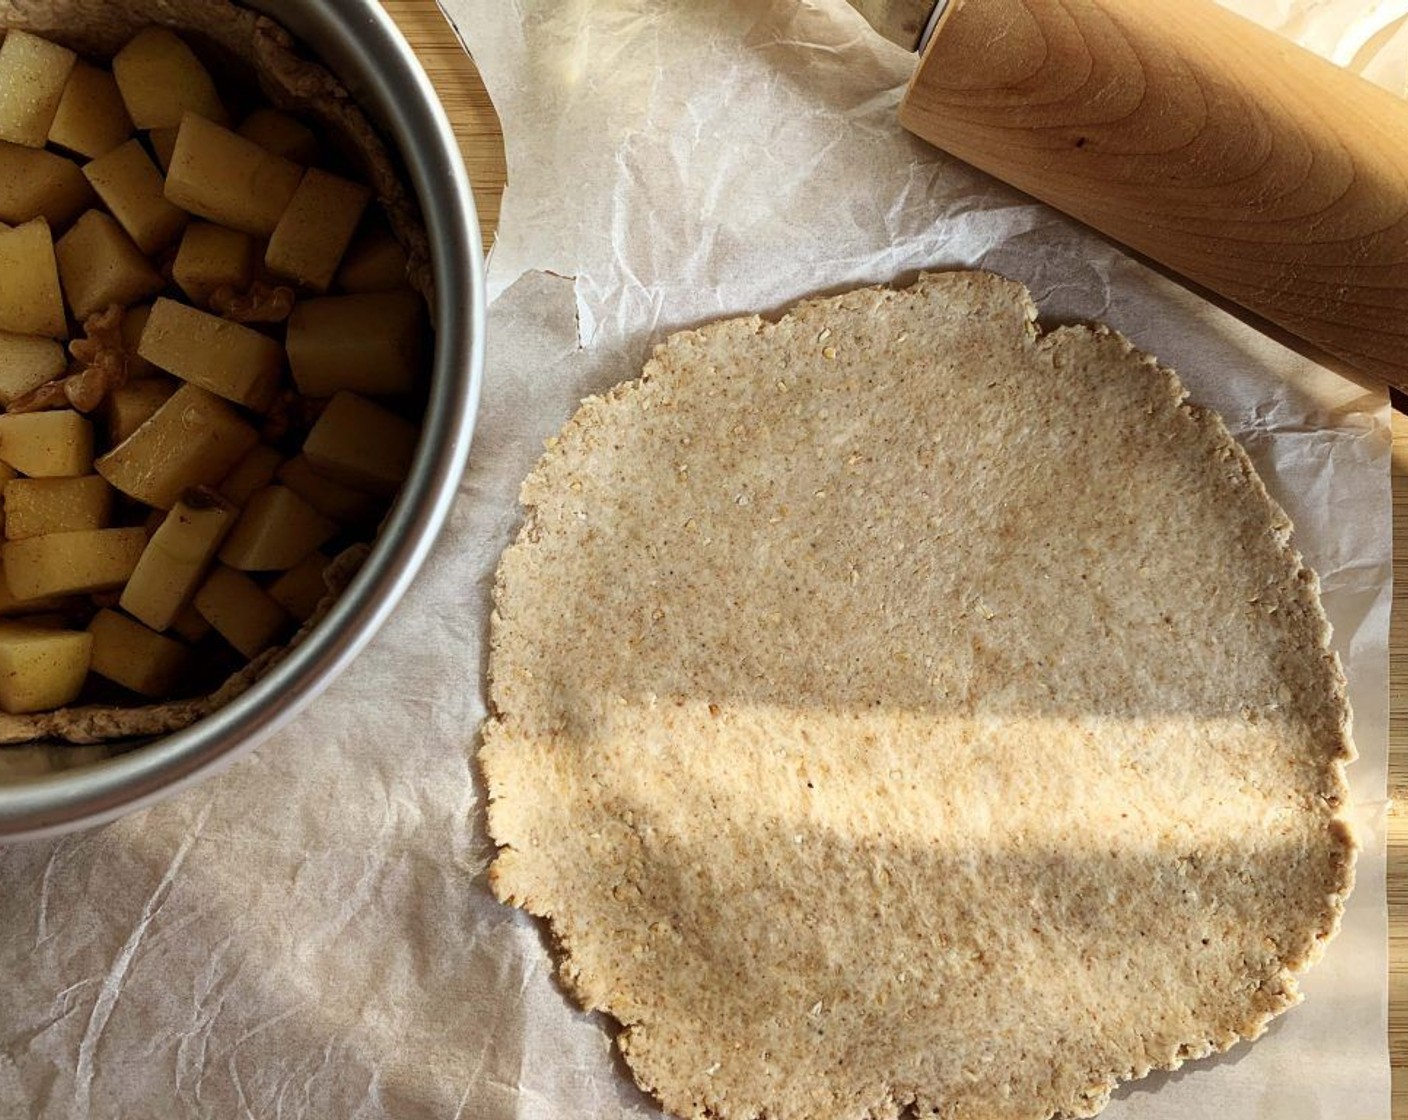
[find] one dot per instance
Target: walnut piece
(99, 366)
(260, 303)
(290, 412)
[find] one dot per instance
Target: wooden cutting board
(477, 128)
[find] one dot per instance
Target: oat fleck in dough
(901, 709)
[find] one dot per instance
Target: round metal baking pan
(357, 41)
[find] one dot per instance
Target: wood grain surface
(1208, 143)
(476, 126)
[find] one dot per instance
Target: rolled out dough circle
(898, 708)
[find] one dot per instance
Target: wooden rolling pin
(1211, 145)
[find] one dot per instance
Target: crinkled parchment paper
(309, 936)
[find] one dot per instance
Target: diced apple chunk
(254, 472)
(176, 559)
(281, 134)
(218, 175)
(56, 444)
(41, 668)
(361, 445)
(38, 184)
(276, 530)
(368, 344)
(342, 503)
(35, 506)
(55, 619)
(316, 228)
(132, 188)
(134, 320)
(135, 657)
(143, 206)
(91, 118)
(26, 362)
(163, 142)
(241, 611)
(10, 606)
(210, 257)
(228, 359)
(161, 78)
(374, 262)
(33, 73)
(72, 563)
(300, 589)
(192, 440)
(99, 265)
(130, 406)
(191, 624)
(30, 299)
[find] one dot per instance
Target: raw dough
(898, 708)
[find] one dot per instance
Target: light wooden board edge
(477, 129)
(466, 102)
